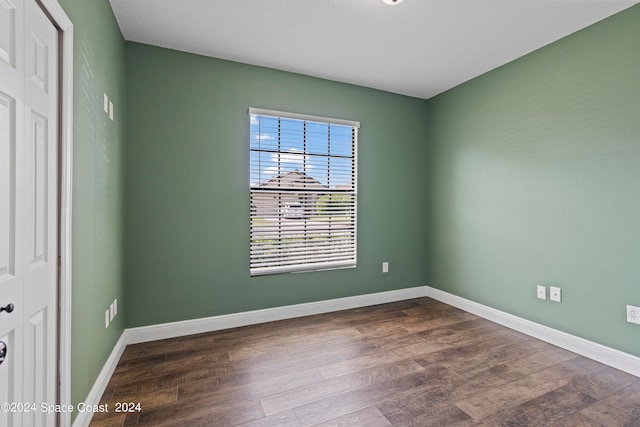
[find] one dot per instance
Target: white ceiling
(418, 48)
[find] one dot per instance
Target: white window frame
(317, 244)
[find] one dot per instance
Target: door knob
(8, 308)
(3, 351)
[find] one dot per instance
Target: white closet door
(28, 210)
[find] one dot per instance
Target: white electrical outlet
(385, 267)
(105, 102)
(111, 110)
(111, 313)
(115, 307)
(555, 294)
(633, 314)
(542, 292)
(106, 319)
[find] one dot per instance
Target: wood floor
(411, 363)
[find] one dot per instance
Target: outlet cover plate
(633, 314)
(542, 292)
(555, 294)
(385, 267)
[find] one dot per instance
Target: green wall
(526, 175)
(99, 53)
(533, 179)
(187, 197)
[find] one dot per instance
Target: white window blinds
(303, 192)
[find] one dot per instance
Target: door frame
(65, 191)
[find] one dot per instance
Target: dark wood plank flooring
(411, 363)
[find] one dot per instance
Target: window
(303, 192)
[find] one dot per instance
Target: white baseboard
(93, 398)
(215, 323)
(600, 353)
(609, 356)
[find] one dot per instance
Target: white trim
(208, 324)
(598, 352)
(62, 21)
(611, 357)
(215, 323)
(57, 14)
(304, 268)
(307, 117)
(93, 398)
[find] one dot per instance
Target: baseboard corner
(95, 394)
(609, 356)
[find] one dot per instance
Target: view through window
(303, 192)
